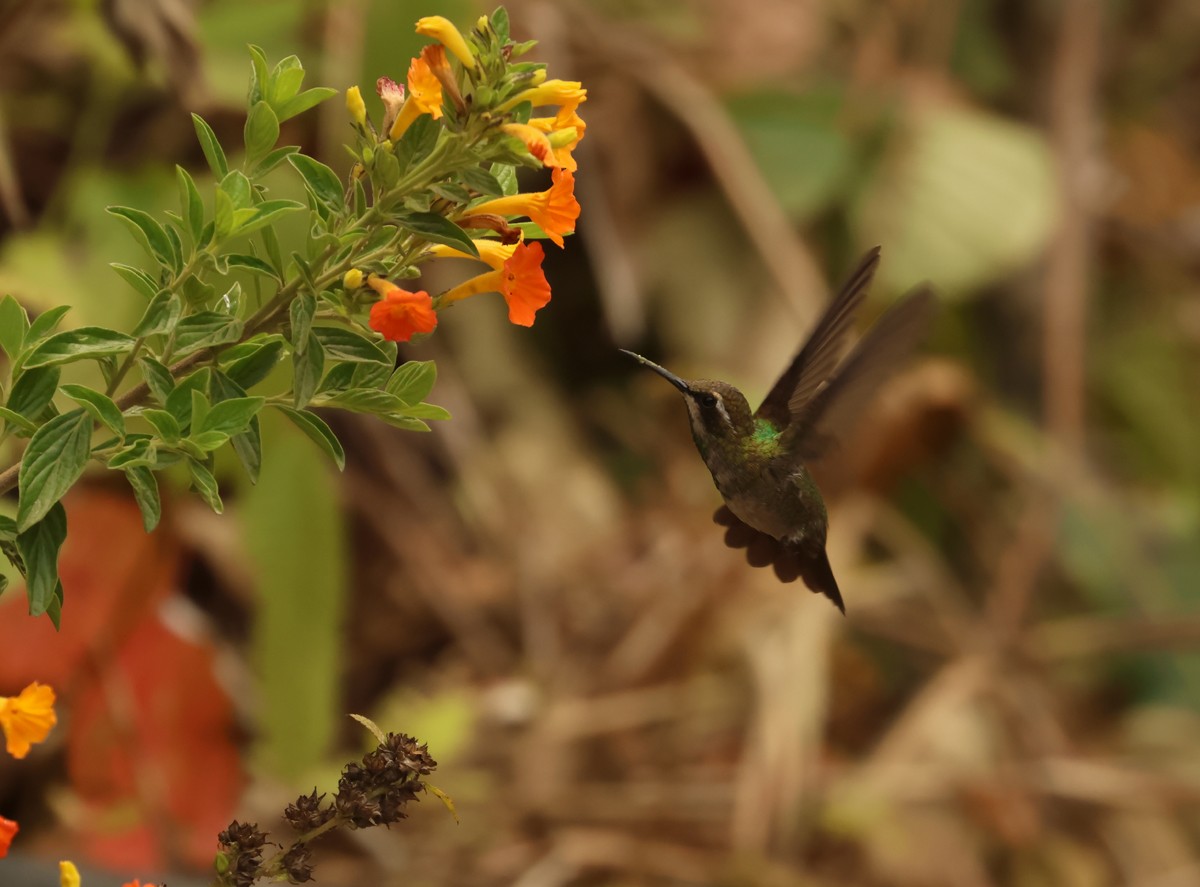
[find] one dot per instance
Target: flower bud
(353, 279)
(356, 107)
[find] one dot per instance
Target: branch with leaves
(228, 299)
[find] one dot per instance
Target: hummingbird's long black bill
(662, 371)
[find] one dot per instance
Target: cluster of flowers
(372, 793)
(434, 86)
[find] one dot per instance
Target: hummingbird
(761, 461)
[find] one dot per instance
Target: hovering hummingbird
(760, 461)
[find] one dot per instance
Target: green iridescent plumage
(759, 460)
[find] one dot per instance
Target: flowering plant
(227, 299)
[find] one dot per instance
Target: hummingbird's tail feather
(791, 562)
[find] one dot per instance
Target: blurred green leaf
(84, 343)
(293, 531)
(963, 197)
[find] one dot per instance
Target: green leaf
(207, 441)
(439, 229)
(247, 445)
(343, 344)
(320, 433)
(179, 402)
(251, 263)
(206, 486)
(145, 492)
(148, 232)
(164, 423)
(101, 407)
(302, 309)
(161, 314)
(14, 324)
(239, 189)
(506, 175)
(33, 391)
(273, 160)
(205, 329)
(53, 461)
(321, 181)
(264, 214)
(425, 411)
(285, 80)
(231, 416)
(199, 409)
(259, 78)
(45, 323)
(369, 375)
(17, 421)
(139, 450)
(39, 545)
(310, 98)
(158, 378)
(261, 131)
(307, 367)
(85, 343)
(191, 207)
(213, 152)
(408, 423)
(251, 369)
(223, 210)
(364, 400)
(136, 278)
(479, 179)
(413, 381)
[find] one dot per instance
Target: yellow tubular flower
(356, 106)
(565, 131)
(443, 31)
(566, 93)
(491, 251)
(68, 875)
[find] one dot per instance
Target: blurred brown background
(536, 588)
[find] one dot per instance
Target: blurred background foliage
(536, 589)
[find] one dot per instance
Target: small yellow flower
(353, 279)
(27, 718)
(356, 106)
(443, 31)
(68, 875)
(565, 93)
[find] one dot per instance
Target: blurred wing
(819, 357)
(823, 419)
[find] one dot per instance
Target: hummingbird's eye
(707, 400)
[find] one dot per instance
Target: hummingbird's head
(717, 410)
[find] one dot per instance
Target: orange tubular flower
(400, 314)
(136, 883)
(424, 95)
(536, 141)
(443, 31)
(27, 718)
(8, 830)
(517, 275)
(553, 210)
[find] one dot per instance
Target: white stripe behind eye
(724, 412)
